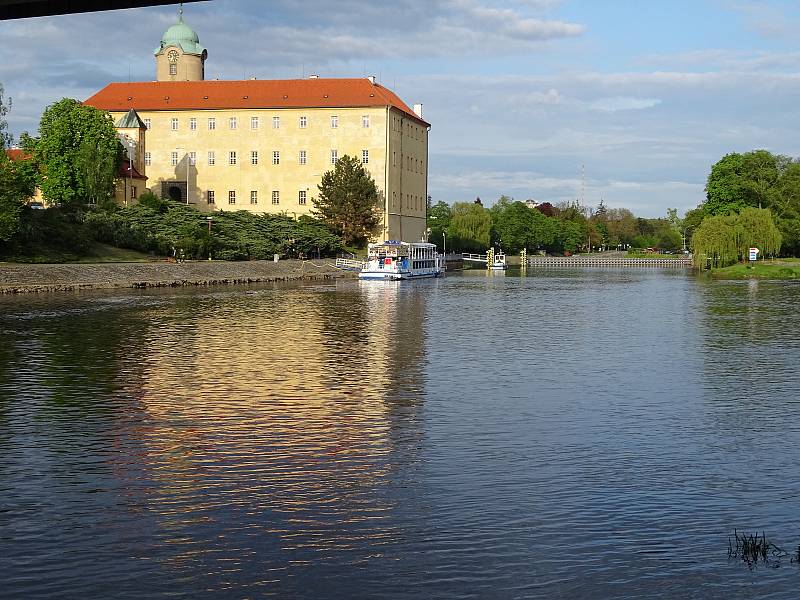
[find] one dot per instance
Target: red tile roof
(251, 93)
(17, 154)
(126, 171)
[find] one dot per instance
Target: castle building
(263, 145)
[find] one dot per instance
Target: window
(192, 158)
(276, 157)
(232, 197)
(276, 122)
(365, 121)
(133, 192)
(193, 123)
(365, 156)
(254, 197)
(334, 121)
(174, 159)
(334, 156)
(212, 158)
(301, 197)
(302, 157)
(394, 199)
(394, 159)
(276, 197)
(210, 196)
(232, 123)
(212, 123)
(303, 122)
(148, 123)
(254, 123)
(147, 159)
(173, 69)
(254, 157)
(174, 124)
(232, 157)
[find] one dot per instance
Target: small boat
(392, 259)
(499, 263)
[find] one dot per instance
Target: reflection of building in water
(297, 395)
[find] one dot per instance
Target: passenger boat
(402, 260)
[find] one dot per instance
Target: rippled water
(586, 434)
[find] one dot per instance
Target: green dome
(181, 35)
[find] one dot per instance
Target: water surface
(571, 434)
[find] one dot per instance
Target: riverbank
(779, 269)
(37, 278)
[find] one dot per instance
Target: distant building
(263, 145)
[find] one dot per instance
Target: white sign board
(753, 254)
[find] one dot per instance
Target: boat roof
(399, 243)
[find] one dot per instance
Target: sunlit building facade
(263, 145)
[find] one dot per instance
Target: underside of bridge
(20, 9)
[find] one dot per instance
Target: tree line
(562, 229)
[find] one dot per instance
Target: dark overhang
(20, 9)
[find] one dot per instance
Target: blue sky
(520, 94)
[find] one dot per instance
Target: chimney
(371, 79)
(313, 76)
(418, 110)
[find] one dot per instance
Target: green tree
(739, 180)
(438, 221)
(16, 182)
(5, 137)
(348, 201)
(14, 191)
(470, 226)
(78, 153)
(722, 240)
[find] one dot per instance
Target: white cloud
(617, 103)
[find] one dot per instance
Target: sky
(627, 101)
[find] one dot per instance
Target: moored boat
(394, 260)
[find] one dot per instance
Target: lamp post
(208, 219)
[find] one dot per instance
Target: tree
(724, 239)
(16, 183)
(78, 153)
(739, 180)
(438, 221)
(5, 137)
(348, 201)
(470, 225)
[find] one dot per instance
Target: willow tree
(715, 241)
(470, 225)
(725, 239)
(756, 229)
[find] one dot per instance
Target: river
(570, 434)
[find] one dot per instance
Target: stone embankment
(27, 278)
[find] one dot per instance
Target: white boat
(402, 260)
(499, 263)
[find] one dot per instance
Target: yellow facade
(253, 159)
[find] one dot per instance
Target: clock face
(172, 55)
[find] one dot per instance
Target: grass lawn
(96, 253)
(785, 268)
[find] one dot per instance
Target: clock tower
(180, 57)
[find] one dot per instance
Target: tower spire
(180, 13)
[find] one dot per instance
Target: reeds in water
(754, 549)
